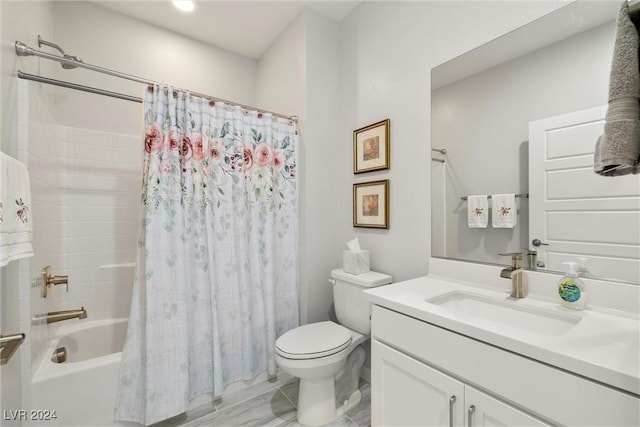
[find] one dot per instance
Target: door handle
(537, 242)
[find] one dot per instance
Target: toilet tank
(352, 309)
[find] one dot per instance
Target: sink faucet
(516, 274)
(517, 284)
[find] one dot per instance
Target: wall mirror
(521, 114)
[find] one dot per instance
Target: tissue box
(355, 262)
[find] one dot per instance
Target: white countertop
(604, 345)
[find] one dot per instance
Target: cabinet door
(483, 410)
(406, 392)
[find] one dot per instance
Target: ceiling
(244, 27)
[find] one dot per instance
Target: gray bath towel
(617, 151)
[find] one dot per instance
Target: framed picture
(371, 204)
(371, 147)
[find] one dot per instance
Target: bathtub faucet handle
(59, 280)
(49, 280)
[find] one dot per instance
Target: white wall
(489, 153)
(102, 37)
(281, 81)
(388, 51)
(35, 124)
(382, 72)
(281, 87)
(299, 74)
(324, 235)
(19, 21)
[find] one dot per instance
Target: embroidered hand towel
(15, 211)
(505, 214)
(477, 211)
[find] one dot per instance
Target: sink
(506, 312)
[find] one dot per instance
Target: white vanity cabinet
(408, 392)
(484, 410)
(417, 368)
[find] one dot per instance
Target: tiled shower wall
(85, 197)
(96, 232)
(35, 137)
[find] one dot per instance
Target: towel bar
(524, 196)
(9, 344)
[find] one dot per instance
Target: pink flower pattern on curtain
(217, 266)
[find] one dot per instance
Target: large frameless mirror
(521, 115)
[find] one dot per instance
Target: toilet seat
(313, 341)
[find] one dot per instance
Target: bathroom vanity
(454, 349)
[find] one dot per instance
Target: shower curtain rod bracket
(24, 50)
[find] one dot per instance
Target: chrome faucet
(516, 274)
(58, 316)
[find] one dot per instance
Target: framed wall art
(371, 147)
(371, 204)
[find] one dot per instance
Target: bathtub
(82, 390)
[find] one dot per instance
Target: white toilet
(328, 357)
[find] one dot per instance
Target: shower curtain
(216, 276)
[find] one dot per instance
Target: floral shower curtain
(216, 278)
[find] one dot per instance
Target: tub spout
(58, 316)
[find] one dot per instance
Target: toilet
(328, 357)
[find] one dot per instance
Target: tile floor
(267, 404)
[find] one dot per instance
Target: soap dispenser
(583, 270)
(571, 289)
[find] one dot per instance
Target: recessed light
(184, 5)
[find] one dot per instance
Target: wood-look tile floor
(267, 404)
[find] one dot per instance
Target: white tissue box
(355, 262)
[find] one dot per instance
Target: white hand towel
(505, 211)
(15, 211)
(477, 211)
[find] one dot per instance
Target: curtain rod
(24, 50)
(62, 83)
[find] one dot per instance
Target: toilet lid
(313, 340)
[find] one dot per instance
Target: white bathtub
(81, 390)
